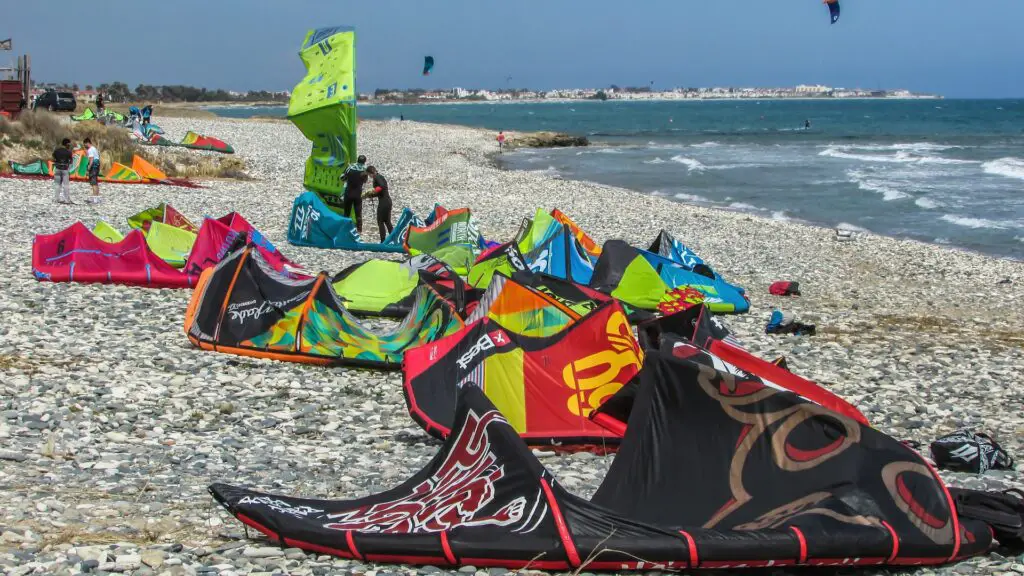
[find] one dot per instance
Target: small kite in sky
(833, 9)
(428, 65)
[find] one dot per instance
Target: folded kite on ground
(313, 223)
(140, 172)
(388, 288)
(648, 281)
(714, 472)
(546, 354)
(451, 236)
(244, 306)
(77, 254)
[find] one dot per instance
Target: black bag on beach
(966, 451)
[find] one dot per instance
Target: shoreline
(117, 424)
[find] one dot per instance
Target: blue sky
(960, 48)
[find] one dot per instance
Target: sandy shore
(112, 426)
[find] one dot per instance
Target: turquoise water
(944, 171)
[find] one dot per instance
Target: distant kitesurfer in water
(807, 124)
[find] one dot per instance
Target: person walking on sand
(61, 172)
(501, 141)
(100, 108)
(382, 194)
(354, 177)
(93, 157)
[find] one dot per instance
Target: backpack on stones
(966, 451)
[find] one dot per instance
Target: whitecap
(709, 144)
(850, 227)
(928, 203)
(744, 206)
(969, 222)
(607, 151)
(689, 197)
(780, 216)
(876, 186)
(1006, 167)
(691, 164)
(654, 161)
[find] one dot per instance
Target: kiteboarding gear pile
(967, 451)
(781, 323)
(1003, 512)
(784, 289)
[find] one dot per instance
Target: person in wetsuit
(354, 177)
(383, 195)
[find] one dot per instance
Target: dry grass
(165, 110)
(191, 166)
(36, 134)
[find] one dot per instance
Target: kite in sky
(833, 9)
(428, 65)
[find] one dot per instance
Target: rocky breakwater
(545, 140)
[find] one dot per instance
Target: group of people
(63, 157)
(355, 178)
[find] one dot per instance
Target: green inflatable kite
(323, 107)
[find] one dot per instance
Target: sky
(957, 48)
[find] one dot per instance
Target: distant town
(630, 93)
(120, 92)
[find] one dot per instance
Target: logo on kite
(428, 65)
(833, 9)
(486, 342)
(596, 377)
(455, 495)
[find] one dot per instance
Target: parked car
(55, 101)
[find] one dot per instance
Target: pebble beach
(112, 425)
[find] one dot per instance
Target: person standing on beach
(501, 141)
(383, 195)
(93, 156)
(100, 108)
(61, 172)
(354, 177)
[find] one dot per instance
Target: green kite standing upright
(323, 107)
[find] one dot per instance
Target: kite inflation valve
(844, 235)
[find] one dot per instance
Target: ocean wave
(691, 164)
(968, 222)
(876, 186)
(607, 151)
(850, 227)
(780, 216)
(735, 166)
(709, 144)
(1006, 167)
(746, 207)
(902, 155)
(654, 161)
(928, 203)
(689, 197)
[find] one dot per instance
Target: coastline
(922, 338)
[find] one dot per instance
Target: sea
(942, 171)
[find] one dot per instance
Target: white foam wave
(689, 197)
(876, 186)
(906, 155)
(744, 206)
(710, 144)
(780, 216)
(968, 222)
(691, 164)
(735, 166)
(607, 151)
(850, 227)
(654, 161)
(1006, 167)
(928, 203)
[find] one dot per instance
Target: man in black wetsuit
(383, 195)
(61, 166)
(354, 177)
